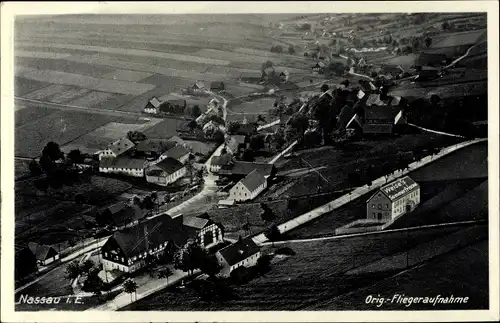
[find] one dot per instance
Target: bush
(285, 251)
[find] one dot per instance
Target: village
(214, 193)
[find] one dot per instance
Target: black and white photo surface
(325, 161)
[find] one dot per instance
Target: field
(313, 276)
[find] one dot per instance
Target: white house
(393, 200)
(249, 187)
(153, 106)
(117, 148)
(218, 161)
(242, 253)
(165, 172)
(204, 230)
(45, 255)
(123, 165)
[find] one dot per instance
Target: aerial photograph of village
(251, 162)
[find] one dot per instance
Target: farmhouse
(128, 249)
(204, 230)
(393, 200)
(249, 187)
(45, 255)
(154, 147)
(319, 67)
(117, 148)
(178, 152)
(153, 106)
(242, 253)
(199, 86)
(126, 217)
(174, 106)
(218, 161)
(165, 172)
(217, 86)
(123, 166)
(242, 168)
(379, 117)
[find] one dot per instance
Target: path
(435, 131)
(353, 235)
(461, 57)
(360, 191)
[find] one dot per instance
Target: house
(217, 86)
(319, 67)
(242, 168)
(236, 144)
(117, 148)
(127, 216)
(128, 249)
(123, 165)
(378, 116)
(154, 147)
(249, 187)
(242, 253)
(173, 106)
(199, 86)
(212, 126)
(178, 152)
(204, 230)
(165, 172)
(245, 129)
(270, 76)
(284, 76)
(213, 106)
(393, 200)
(218, 161)
(45, 255)
(153, 106)
(25, 262)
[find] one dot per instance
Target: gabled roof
(398, 188)
(175, 102)
(239, 251)
(41, 252)
(122, 162)
(374, 99)
(345, 115)
(354, 122)
(168, 165)
(233, 143)
(127, 215)
(199, 84)
(253, 180)
(194, 222)
(245, 168)
(176, 152)
(221, 160)
(157, 146)
(121, 146)
(155, 102)
(149, 234)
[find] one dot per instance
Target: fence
(360, 191)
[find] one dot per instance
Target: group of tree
(277, 49)
(192, 256)
(90, 272)
(136, 136)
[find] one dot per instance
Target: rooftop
(168, 165)
(239, 251)
(399, 187)
(157, 146)
(253, 180)
(121, 145)
(122, 162)
(176, 152)
(245, 168)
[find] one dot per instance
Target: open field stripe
(361, 234)
(136, 52)
(87, 82)
(32, 54)
(361, 191)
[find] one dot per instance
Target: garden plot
(60, 127)
(87, 82)
(23, 86)
(138, 52)
(165, 129)
(45, 92)
(68, 95)
(91, 99)
(115, 130)
(50, 55)
(126, 75)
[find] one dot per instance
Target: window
(380, 206)
(105, 254)
(387, 206)
(373, 206)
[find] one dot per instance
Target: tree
(248, 155)
(218, 136)
(260, 118)
(345, 83)
(86, 266)
(192, 256)
(42, 185)
(334, 69)
(324, 87)
(354, 178)
(35, 168)
(196, 111)
(52, 151)
(136, 201)
(136, 136)
(277, 49)
(72, 270)
(47, 164)
(76, 156)
(273, 233)
(165, 273)
(291, 50)
(266, 65)
(257, 142)
(267, 214)
(445, 25)
(263, 265)
(148, 203)
(130, 287)
(428, 42)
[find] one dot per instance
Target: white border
(9, 10)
